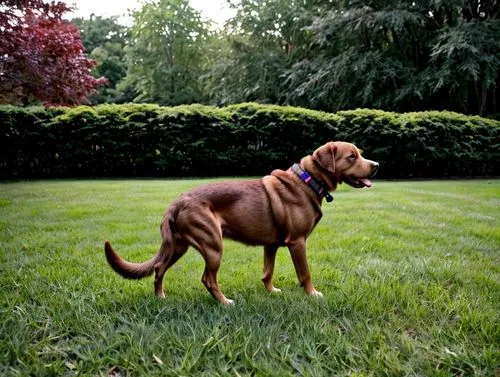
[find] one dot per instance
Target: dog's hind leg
(269, 258)
(162, 266)
(212, 263)
(198, 226)
(210, 246)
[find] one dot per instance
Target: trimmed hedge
(246, 139)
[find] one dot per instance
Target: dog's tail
(127, 269)
(139, 270)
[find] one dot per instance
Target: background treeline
(405, 55)
(237, 140)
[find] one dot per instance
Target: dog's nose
(375, 166)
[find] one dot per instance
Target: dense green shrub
(245, 139)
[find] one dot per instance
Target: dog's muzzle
(360, 182)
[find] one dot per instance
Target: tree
(401, 55)
(41, 55)
(464, 59)
(105, 40)
(167, 53)
(261, 42)
(359, 57)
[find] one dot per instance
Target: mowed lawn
(410, 272)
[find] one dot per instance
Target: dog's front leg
(269, 258)
(298, 252)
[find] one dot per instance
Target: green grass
(410, 272)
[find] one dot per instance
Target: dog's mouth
(358, 182)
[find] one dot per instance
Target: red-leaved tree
(42, 56)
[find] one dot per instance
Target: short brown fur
(277, 210)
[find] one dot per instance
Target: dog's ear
(324, 156)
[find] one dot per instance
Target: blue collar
(316, 186)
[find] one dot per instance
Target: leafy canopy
(41, 55)
(167, 51)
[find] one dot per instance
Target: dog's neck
(308, 164)
(319, 188)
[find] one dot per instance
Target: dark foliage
(246, 139)
(335, 55)
(41, 55)
(105, 40)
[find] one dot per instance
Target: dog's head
(338, 162)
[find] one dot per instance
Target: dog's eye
(351, 157)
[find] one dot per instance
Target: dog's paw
(317, 294)
(227, 301)
(273, 290)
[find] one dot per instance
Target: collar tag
(317, 187)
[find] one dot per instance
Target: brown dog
(280, 209)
